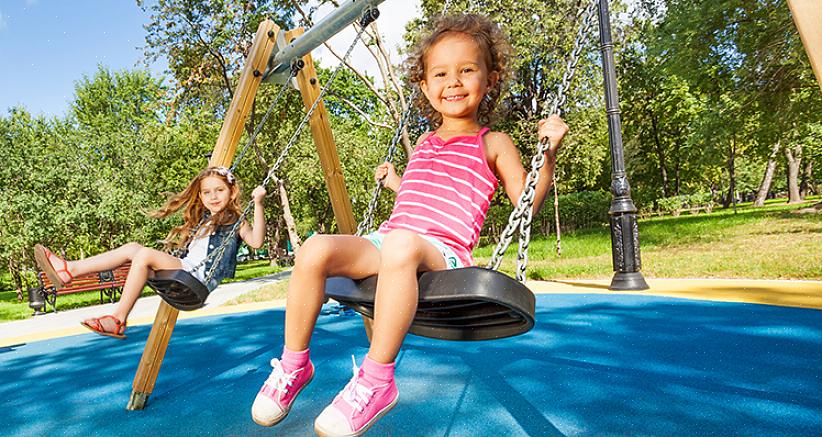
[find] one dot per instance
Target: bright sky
(47, 45)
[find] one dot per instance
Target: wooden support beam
(807, 15)
(157, 343)
(310, 87)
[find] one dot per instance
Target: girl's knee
(401, 247)
(131, 250)
(142, 256)
(316, 249)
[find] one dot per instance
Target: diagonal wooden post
(310, 87)
(807, 14)
(157, 343)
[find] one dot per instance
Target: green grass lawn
(13, 309)
(771, 242)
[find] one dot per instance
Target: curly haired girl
(441, 203)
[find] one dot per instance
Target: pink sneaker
(356, 408)
(277, 395)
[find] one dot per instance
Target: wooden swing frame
(262, 47)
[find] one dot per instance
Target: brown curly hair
(194, 210)
(491, 41)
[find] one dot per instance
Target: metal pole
(624, 228)
(280, 63)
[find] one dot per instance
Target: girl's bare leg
(404, 253)
(101, 262)
(320, 257)
(144, 261)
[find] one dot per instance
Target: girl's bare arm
(254, 235)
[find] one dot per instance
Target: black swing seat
(471, 303)
(179, 288)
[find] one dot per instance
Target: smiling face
(456, 77)
(215, 193)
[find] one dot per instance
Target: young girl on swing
(214, 193)
(442, 199)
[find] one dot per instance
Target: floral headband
(226, 173)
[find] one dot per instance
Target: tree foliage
(707, 89)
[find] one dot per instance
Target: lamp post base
(628, 281)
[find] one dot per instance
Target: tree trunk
(731, 197)
(17, 278)
(677, 178)
(794, 157)
(660, 155)
(556, 218)
(677, 168)
(767, 179)
(274, 249)
(806, 187)
(290, 225)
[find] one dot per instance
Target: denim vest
(227, 264)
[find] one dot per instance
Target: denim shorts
(452, 261)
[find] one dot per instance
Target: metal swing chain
(367, 222)
(522, 215)
(296, 66)
(368, 15)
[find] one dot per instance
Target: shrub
(701, 200)
(672, 205)
(584, 209)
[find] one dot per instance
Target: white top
(197, 252)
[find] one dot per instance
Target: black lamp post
(624, 228)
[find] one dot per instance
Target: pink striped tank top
(445, 192)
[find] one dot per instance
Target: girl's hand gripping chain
(553, 128)
(258, 195)
(387, 176)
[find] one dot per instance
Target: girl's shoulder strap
(483, 131)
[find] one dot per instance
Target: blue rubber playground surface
(593, 365)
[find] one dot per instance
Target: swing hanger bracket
(352, 10)
(369, 16)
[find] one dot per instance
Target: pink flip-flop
(41, 256)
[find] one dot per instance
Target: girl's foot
(109, 326)
(279, 391)
(357, 407)
(46, 261)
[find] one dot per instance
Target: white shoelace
(279, 379)
(355, 394)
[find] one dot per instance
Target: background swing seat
(471, 303)
(179, 289)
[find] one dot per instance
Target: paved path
(67, 322)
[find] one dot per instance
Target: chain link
(257, 129)
(522, 215)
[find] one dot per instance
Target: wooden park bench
(109, 283)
